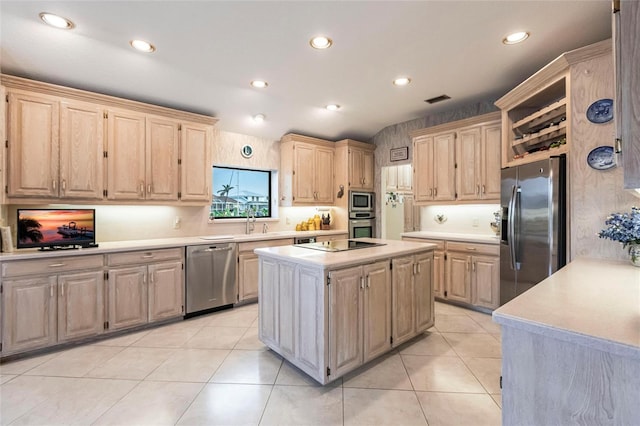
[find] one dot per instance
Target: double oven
(362, 218)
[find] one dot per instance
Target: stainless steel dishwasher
(210, 276)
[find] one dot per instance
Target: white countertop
(330, 260)
(450, 236)
(590, 302)
(160, 243)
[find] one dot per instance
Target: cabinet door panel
(486, 281)
(304, 173)
(459, 277)
(247, 276)
(126, 155)
(423, 290)
(404, 177)
(166, 294)
(81, 150)
(80, 305)
(468, 156)
(345, 320)
(288, 308)
(377, 310)
(403, 305)
(33, 145)
(438, 274)
(355, 168)
(269, 295)
(368, 170)
(423, 169)
(310, 314)
(491, 153)
(29, 320)
(161, 159)
(128, 301)
(323, 177)
(443, 164)
(195, 169)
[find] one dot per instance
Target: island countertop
(589, 302)
(329, 260)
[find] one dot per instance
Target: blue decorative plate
(601, 158)
(600, 111)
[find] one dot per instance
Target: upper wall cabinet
(538, 115)
(458, 161)
(69, 145)
(306, 171)
(360, 164)
(627, 56)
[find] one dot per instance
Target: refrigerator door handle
(515, 265)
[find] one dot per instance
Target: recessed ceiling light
(402, 81)
(321, 42)
(333, 107)
(515, 38)
(142, 46)
(259, 118)
(56, 21)
(259, 84)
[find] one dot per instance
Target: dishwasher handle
(213, 248)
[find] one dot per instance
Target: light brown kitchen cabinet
(128, 299)
(485, 281)
(434, 167)
(30, 316)
(399, 178)
(126, 171)
(195, 163)
(306, 170)
(145, 286)
(361, 167)
(359, 315)
(626, 47)
(81, 173)
(161, 159)
(51, 300)
(80, 305)
(412, 296)
(248, 266)
(439, 265)
(33, 143)
(458, 284)
(411, 213)
(473, 274)
(478, 162)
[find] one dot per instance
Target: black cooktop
(340, 245)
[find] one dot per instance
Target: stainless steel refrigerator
(533, 232)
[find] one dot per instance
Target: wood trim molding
(293, 137)
(357, 144)
(19, 83)
(454, 125)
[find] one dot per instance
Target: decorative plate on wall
(601, 111)
(247, 151)
(601, 158)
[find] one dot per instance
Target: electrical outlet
(475, 222)
(176, 222)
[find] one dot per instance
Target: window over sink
(238, 192)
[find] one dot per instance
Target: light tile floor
(213, 370)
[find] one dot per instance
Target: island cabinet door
(345, 320)
(268, 291)
(377, 309)
(423, 287)
(402, 296)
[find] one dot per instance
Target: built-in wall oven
(362, 219)
(362, 228)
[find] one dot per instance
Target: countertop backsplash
(462, 219)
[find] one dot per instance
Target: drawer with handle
(439, 243)
(474, 248)
(144, 256)
(51, 265)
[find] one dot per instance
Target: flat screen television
(56, 228)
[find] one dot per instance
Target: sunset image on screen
(55, 226)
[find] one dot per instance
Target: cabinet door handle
(62, 290)
(483, 189)
(471, 248)
(151, 277)
(477, 189)
(141, 188)
(64, 184)
(54, 184)
(368, 281)
(147, 256)
(362, 282)
(56, 265)
(51, 291)
(435, 192)
(149, 189)
(418, 265)
(474, 265)
(430, 192)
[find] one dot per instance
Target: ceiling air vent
(437, 99)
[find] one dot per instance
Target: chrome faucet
(251, 224)
(265, 228)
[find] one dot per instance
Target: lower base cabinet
(248, 266)
(166, 295)
(50, 301)
(127, 297)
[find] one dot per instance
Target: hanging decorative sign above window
(398, 154)
(247, 151)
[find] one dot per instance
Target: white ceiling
(209, 51)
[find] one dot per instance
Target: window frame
(272, 194)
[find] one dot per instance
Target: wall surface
(464, 219)
(594, 194)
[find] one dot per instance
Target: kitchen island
(571, 347)
(328, 312)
